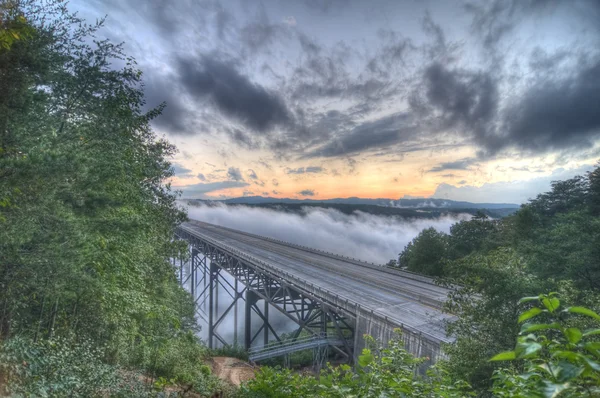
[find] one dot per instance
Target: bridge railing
(344, 303)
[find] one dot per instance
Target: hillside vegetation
(88, 297)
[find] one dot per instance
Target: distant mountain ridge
(401, 203)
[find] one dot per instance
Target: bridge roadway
(385, 298)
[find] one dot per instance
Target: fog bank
(363, 236)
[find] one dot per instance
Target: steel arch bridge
(332, 299)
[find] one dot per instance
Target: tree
(478, 234)
(426, 254)
(485, 297)
(86, 219)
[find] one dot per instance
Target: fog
(360, 235)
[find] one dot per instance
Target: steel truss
(311, 314)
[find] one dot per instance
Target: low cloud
(307, 192)
(463, 164)
(359, 235)
(303, 170)
(235, 174)
(252, 174)
(201, 177)
(506, 192)
(197, 191)
(181, 171)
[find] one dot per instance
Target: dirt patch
(232, 370)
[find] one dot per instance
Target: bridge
(334, 300)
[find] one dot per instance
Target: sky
(486, 101)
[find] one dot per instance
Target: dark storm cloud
(302, 170)
(559, 114)
(463, 164)
(463, 98)
(235, 174)
(174, 117)
(380, 133)
(233, 93)
(273, 86)
(307, 192)
(242, 139)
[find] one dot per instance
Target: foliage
(552, 243)
(381, 372)
(487, 305)
(60, 368)
(426, 253)
(558, 359)
(235, 351)
(13, 25)
(86, 219)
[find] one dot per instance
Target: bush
(381, 372)
(557, 358)
(61, 368)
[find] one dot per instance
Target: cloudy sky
(483, 101)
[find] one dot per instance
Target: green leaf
(591, 363)
(366, 358)
(529, 314)
(551, 304)
(504, 356)
(591, 332)
(573, 335)
(528, 299)
(566, 371)
(583, 311)
(552, 390)
(532, 327)
(527, 350)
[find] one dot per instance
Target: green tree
(426, 254)
(86, 219)
(478, 234)
(486, 294)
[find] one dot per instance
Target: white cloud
(509, 191)
(363, 236)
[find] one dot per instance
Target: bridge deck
(406, 298)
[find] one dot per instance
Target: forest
(89, 300)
